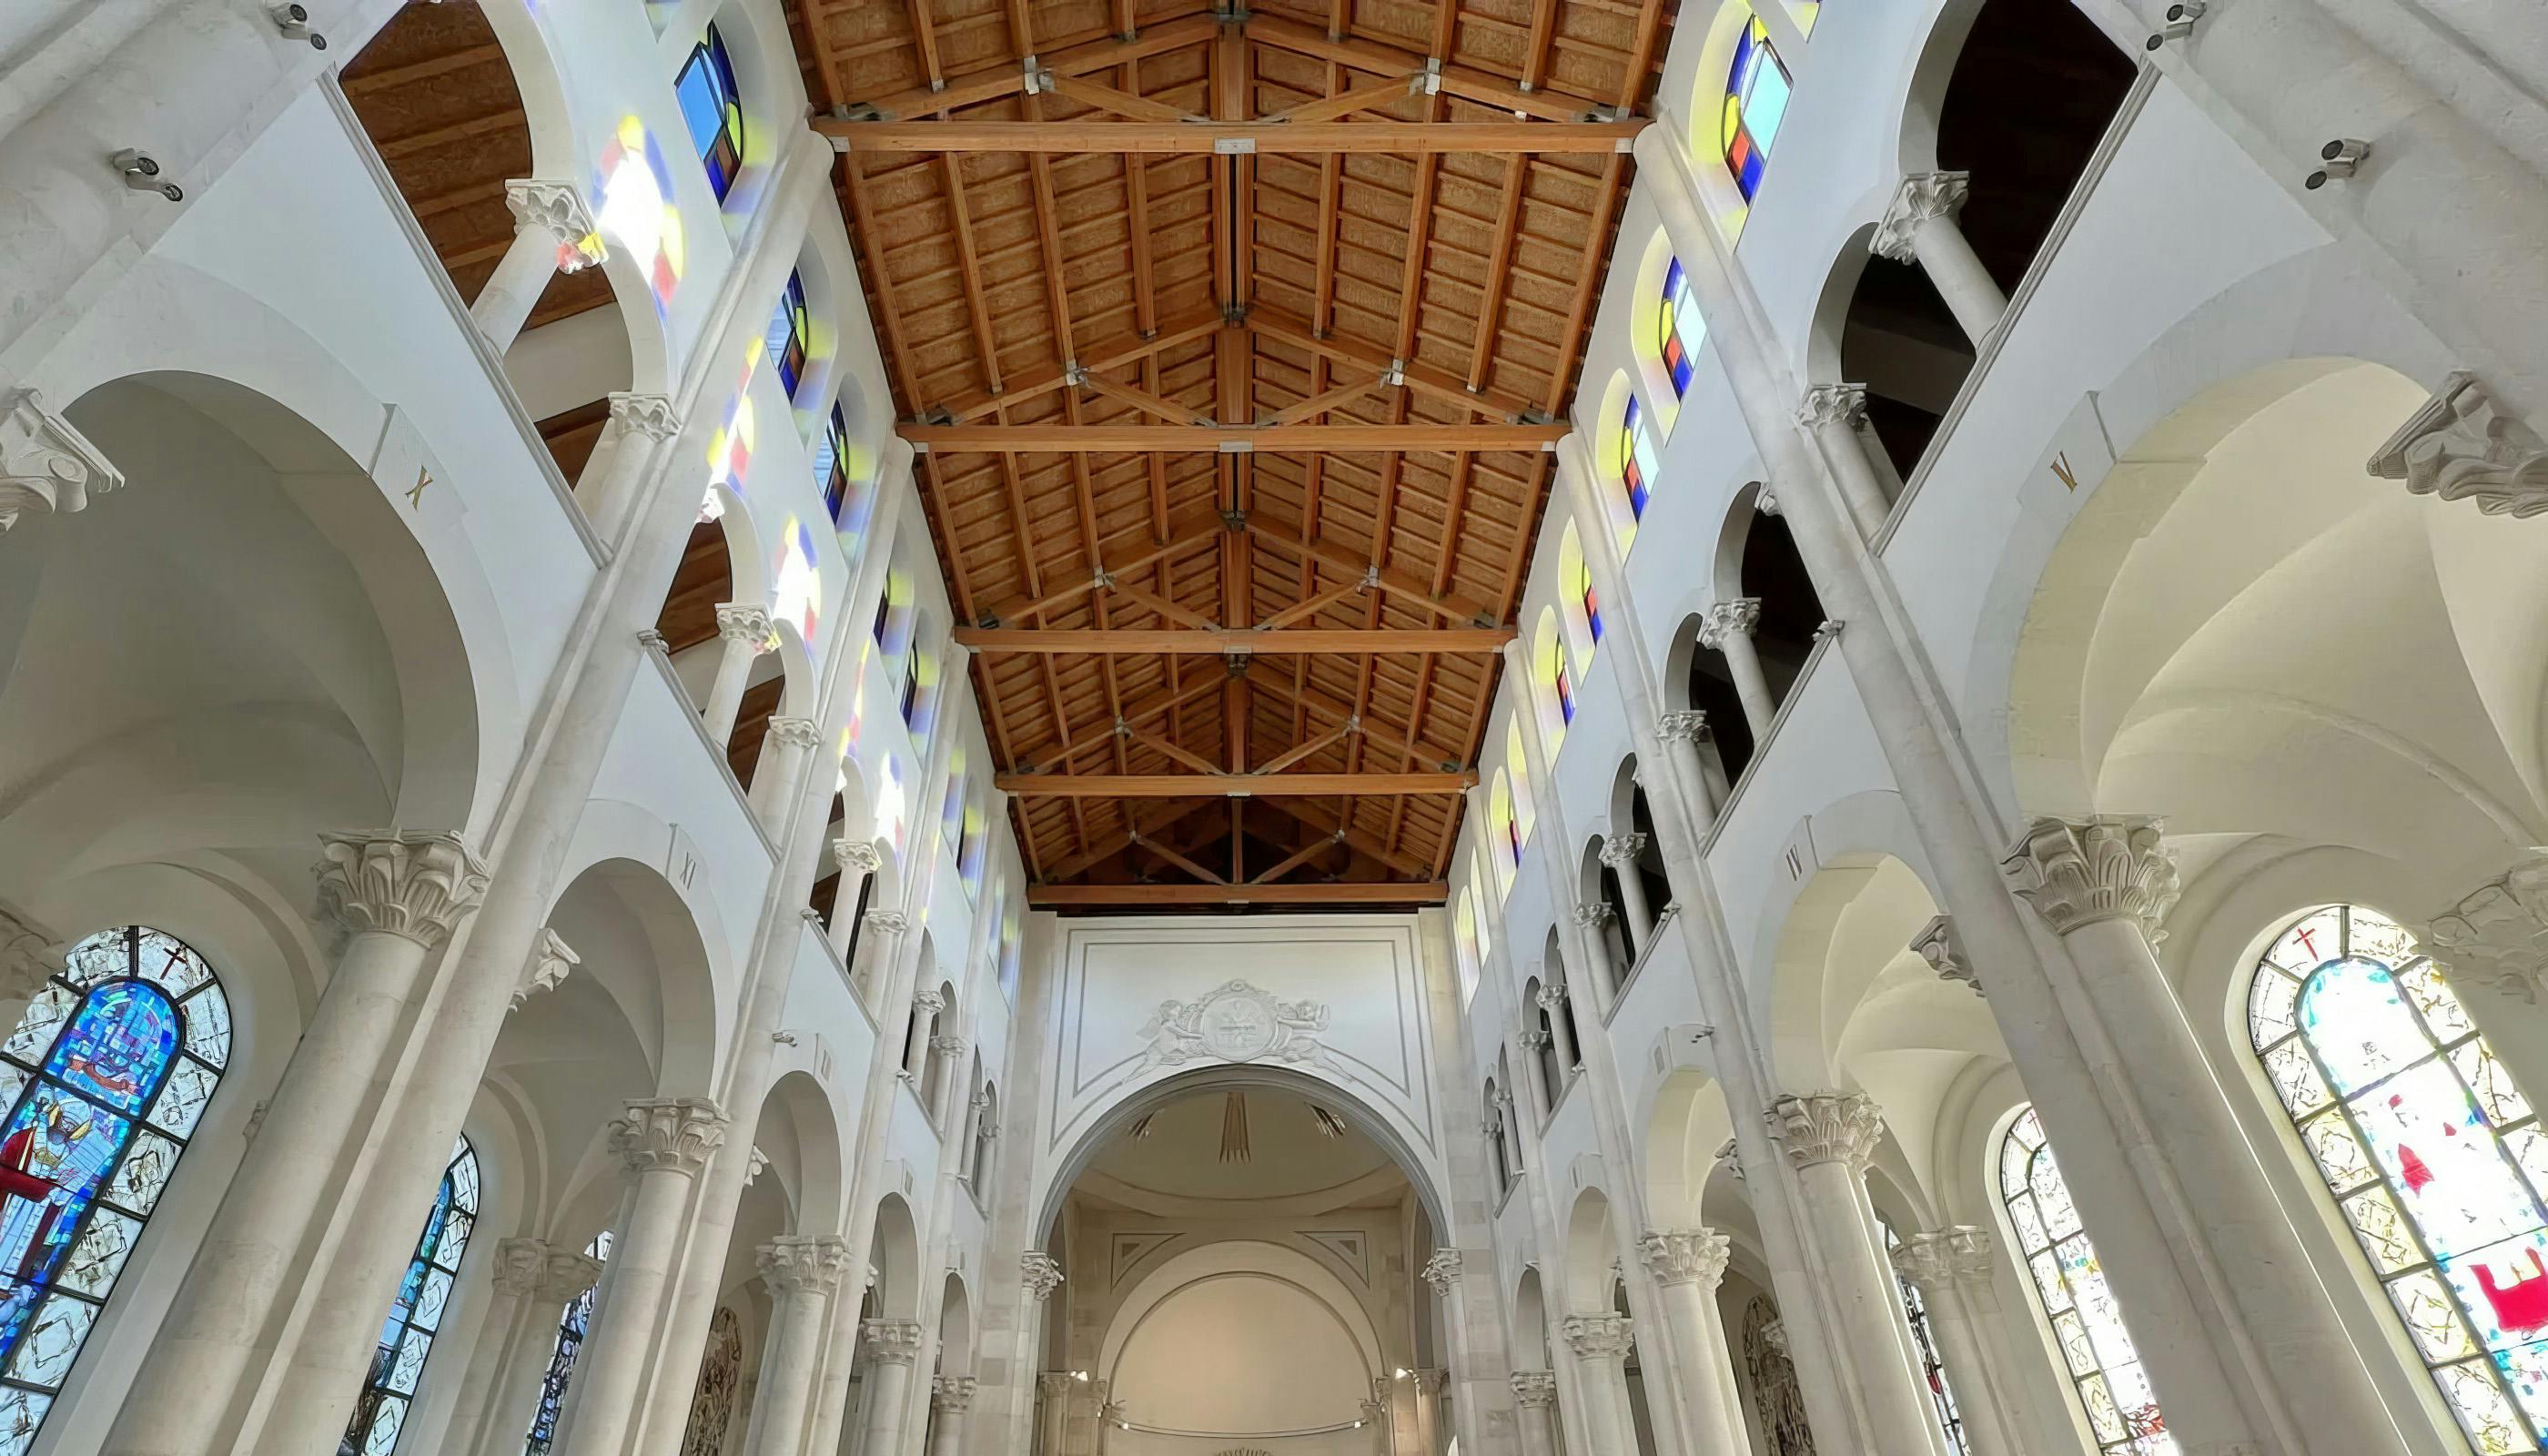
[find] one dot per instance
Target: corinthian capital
(1921, 197)
(803, 1263)
(1600, 1336)
(2497, 934)
(1591, 914)
(1442, 1271)
(890, 923)
(416, 886)
(856, 855)
(1685, 1256)
(1534, 1390)
(1734, 617)
(547, 965)
(518, 1265)
(799, 733)
(893, 1342)
(1043, 1273)
(1622, 849)
(557, 210)
(651, 416)
(1936, 944)
(45, 464)
(2077, 872)
(2460, 447)
(563, 1275)
(745, 625)
(669, 1134)
(1935, 1261)
(950, 1395)
(1689, 725)
(1832, 404)
(1827, 1128)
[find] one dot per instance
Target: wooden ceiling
(1236, 344)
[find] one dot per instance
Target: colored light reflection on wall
(797, 598)
(892, 804)
(632, 204)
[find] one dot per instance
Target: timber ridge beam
(1343, 892)
(1231, 785)
(1064, 439)
(1304, 139)
(1226, 641)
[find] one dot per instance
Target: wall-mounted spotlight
(294, 22)
(142, 173)
(2178, 24)
(2341, 157)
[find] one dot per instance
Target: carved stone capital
(557, 210)
(45, 463)
(1552, 998)
(674, 1135)
(1431, 1381)
(2460, 447)
(928, 1003)
(754, 1164)
(1827, 1128)
(2497, 934)
(946, 1046)
(1054, 1385)
(401, 883)
(1937, 1261)
(803, 1263)
(950, 1395)
(1936, 944)
(1591, 914)
(567, 1275)
(1689, 725)
(1534, 1390)
(857, 856)
(1735, 617)
(545, 967)
(1043, 1273)
(798, 733)
(651, 416)
(1730, 1153)
(893, 1342)
(27, 958)
(746, 625)
(1442, 1271)
(890, 923)
(1685, 1256)
(1600, 1336)
(1621, 851)
(1832, 404)
(2076, 872)
(1534, 1040)
(1921, 197)
(519, 1263)
(1767, 503)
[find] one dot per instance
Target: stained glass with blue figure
(106, 1075)
(416, 1315)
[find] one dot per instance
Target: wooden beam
(1137, 897)
(1321, 640)
(1164, 700)
(1223, 786)
(1286, 759)
(1167, 609)
(1175, 755)
(1148, 403)
(1114, 354)
(1121, 103)
(1186, 533)
(1310, 816)
(1062, 439)
(1337, 108)
(1294, 139)
(1299, 857)
(1320, 404)
(1310, 607)
(1395, 582)
(1457, 80)
(1421, 378)
(1164, 852)
(1075, 60)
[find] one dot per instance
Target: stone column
(2492, 945)
(925, 1007)
(1535, 1393)
(1429, 1384)
(1535, 1073)
(949, 1397)
(665, 1142)
(1687, 1265)
(1619, 855)
(553, 233)
(1601, 969)
(787, 745)
(1830, 415)
(1920, 228)
(858, 860)
(744, 631)
(509, 1345)
(946, 1068)
(1375, 1419)
(563, 1278)
(399, 896)
(1600, 1345)
(1951, 1269)
(803, 1272)
(1552, 999)
(893, 1346)
(1053, 1410)
(46, 466)
(879, 935)
(1680, 732)
(1829, 1136)
(1728, 628)
(612, 480)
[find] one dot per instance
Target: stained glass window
(1682, 329)
(790, 326)
(1924, 1343)
(2433, 1157)
(1756, 101)
(108, 1072)
(1636, 458)
(1558, 679)
(573, 1323)
(832, 471)
(416, 1315)
(2087, 1325)
(712, 1398)
(712, 107)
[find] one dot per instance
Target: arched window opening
(720, 1376)
(1517, 771)
(1639, 468)
(712, 109)
(1681, 331)
(108, 1072)
(1776, 1390)
(843, 499)
(573, 1323)
(1621, 934)
(2428, 1149)
(1561, 679)
(1924, 1344)
(1499, 1156)
(1649, 863)
(1756, 88)
(1507, 832)
(789, 332)
(986, 1124)
(2087, 1327)
(1582, 602)
(424, 1295)
(1552, 1067)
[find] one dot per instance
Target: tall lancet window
(1680, 329)
(1756, 102)
(573, 1323)
(423, 1298)
(106, 1076)
(2433, 1157)
(2122, 1414)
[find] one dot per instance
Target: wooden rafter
(1225, 785)
(1138, 896)
(1225, 641)
(1422, 138)
(1054, 439)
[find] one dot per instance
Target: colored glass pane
(712, 109)
(110, 1068)
(832, 470)
(2419, 1136)
(573, 1323)
(1637, 465)
(2087, 1327)
(407, 1335)
(1682, 329)
(1591, 609)
(790, 325)
(1756, 102)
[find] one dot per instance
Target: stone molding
(520, 1265)
(950, 1395)
(45, 463)
(669, 1134)
(1730, 1153)
(651, 416)
(568, 1275)
(1054, 1385)
(545, 968)
(2077, 872)
(1534, 1040)
(796, 733)
(1442, 1271)
(2497, 934)
(1686, 1256)
(1234, 1022)
(1936, 944)
(856, 855)
(1621, 851)
(893, 1341)
(27, 958)
(1431, 1381)
(557, 208)
(930, 1002)
(1534, 1390)
(1689, 725)
(1736, 616)
(1832, 404)
(1827, 1128)
(946, 1046)
(2459, 446)
(1923, 196)
(1043, 1273)
(1593, 914)
(1942, 1258)
(803, 1263)
(890, 923)
(748, 625)
(1552, 998)
(398, 882)
(1600, 1336)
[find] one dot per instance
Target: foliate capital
(1832, 404)
(890, 923)
(1921, 197)
(1552, 998)
(1043, 1273)
(1936, 944)
(946, 1046)
(674, 1135)
(1442, 1271)
(545, 967)
(893, 1342)
(1622, 849)
(857, 856)
(1431, 1381)
(1534, 1390)
(1735, 617)
(803, 1263)
(416, 886)
(2076, 872)
(1827, 1128)
(929, 1002)
(2460, 446)
(1600, 1336)
(1689, 725)
(1056, 1385)
(651, 416)
(45, 463)
(565, 1276)
(746, 625)
(2497, 934)
(1935, 1261)
(557, 210)
(950, 1395)
(1534, 1039)
(798, 733)
(520, 1262)
(1591, 914)
(1685, 1256)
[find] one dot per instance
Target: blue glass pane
(119, 1046)
(1765, 100)
(703, 107)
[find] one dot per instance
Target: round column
(1728, 628)
(1680, 732)
(744, 631)
(1552, 999)
(1619, 856)
(893, 1346)
(506, 1336)
(553, 233)
(1948, 1268)
(790, 741)
(803, 1272)
(949, 1397)
(1920, 228)
(1830, 414)
(1688, 1264)
(879, 935)
(1535, 1394)
(1053, 1410)
(947, 1069)
(1600, 1345)
(614, 478)
(858, 860)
